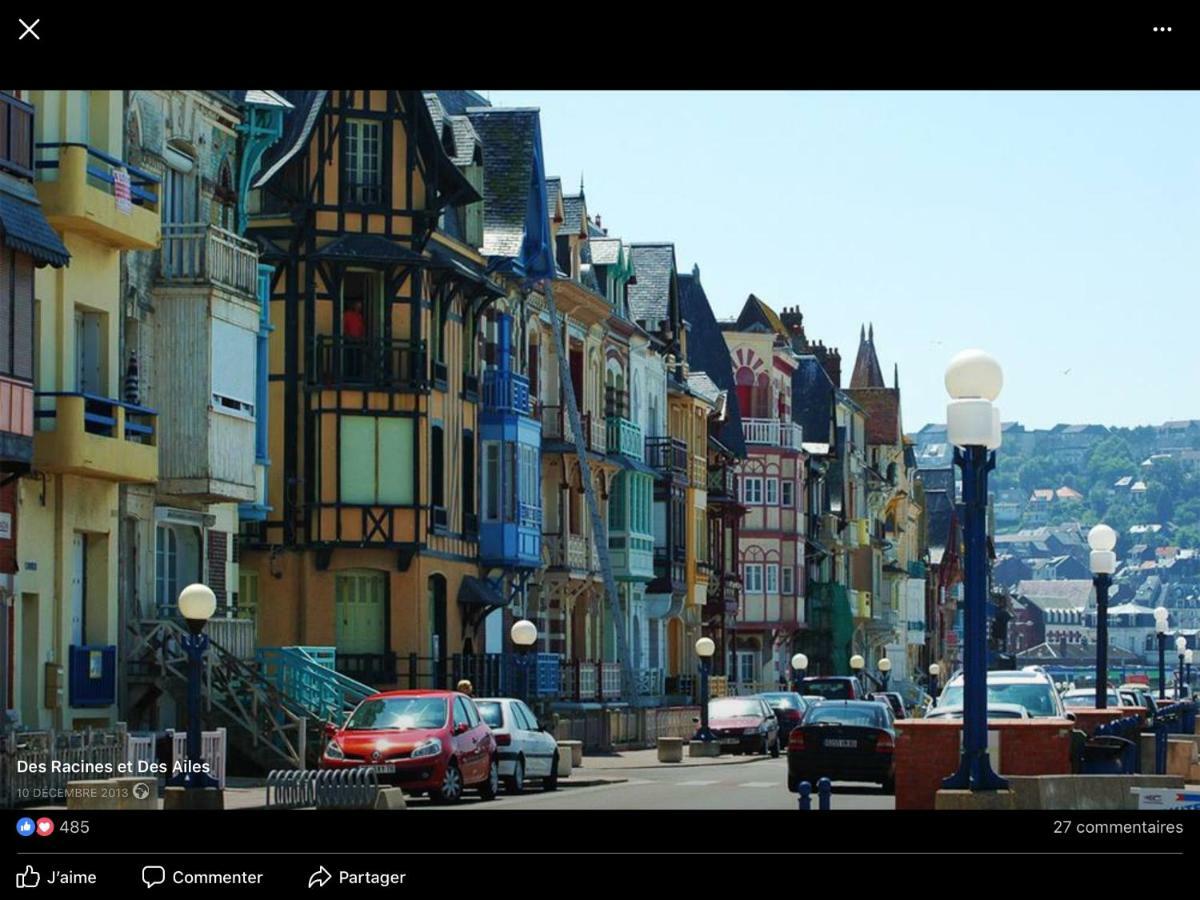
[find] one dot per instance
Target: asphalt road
(756, 785)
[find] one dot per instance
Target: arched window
(744, 382)
(762, 396)
(224, 208)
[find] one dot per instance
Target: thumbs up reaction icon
(29, 878)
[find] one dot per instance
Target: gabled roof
(554, 196)
(650, 297)
(605, 251)
(756, 312)
(1068, 593)
(708, 353)
(867, 373)
(574, 215)
(298, 124)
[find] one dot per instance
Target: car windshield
(491, 713)
(830, 689)
(1088, 699)
(869, 716)
(1034, 696)
(733, 707)
(784, 701)
(398, 713)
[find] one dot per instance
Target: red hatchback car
(431, 742)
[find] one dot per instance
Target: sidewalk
(648, 759)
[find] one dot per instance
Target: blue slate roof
(707, 352)
(650, 297)
(814, 400)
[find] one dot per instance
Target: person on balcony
(354, 336)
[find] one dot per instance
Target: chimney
(598, 220)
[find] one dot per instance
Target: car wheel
(490, 788)
(775, 748)
(515, 783)
(550, 782)
(452, 785)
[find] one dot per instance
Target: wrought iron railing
(339, 361)
(667, 454)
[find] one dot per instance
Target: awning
(634, 465)
(663, 605)
(372, 248)
(477, 592)
(24, 228)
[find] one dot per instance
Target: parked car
(790, 709)
(1034, 690)
(1085, 698)
(994, 711)
(1142, 696)
(525, 749)
(744, 725)
(431, 742)
(892, 699)
(832, 687)
(844, 740)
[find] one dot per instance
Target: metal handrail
(138, 178)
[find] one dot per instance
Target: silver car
(1033, 690)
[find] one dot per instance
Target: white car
(526, 751)
(1029, 688)
(994, 711)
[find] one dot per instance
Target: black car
(790, 709)
(844, 740)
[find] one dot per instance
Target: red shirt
(353, 325)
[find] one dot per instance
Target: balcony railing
(624, 437)
(143, 187)
(699, 471)
(206, 253)
(667, 454)
(773, 432)
(102, 416)
(506, 391)
(16, 137)
(339, 361)
(556, 427)
(722, 483)
(573, 553)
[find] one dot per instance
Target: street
(743, 786)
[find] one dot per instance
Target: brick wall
(218, 557)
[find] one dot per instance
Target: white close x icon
(29, 29)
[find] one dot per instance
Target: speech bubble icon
(153, 875)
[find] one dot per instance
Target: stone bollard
(390, 798)
(576, 748)
(137, 792)
(670, 750)
(704, 749)
(1180, 752)
(564, 765)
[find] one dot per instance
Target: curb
(728, 762)
(590, 782)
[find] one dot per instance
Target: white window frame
(357, 159)
(771, 579)
(771, 491)
(753, 585)
(752, 490)
(786, 585)
(787, 492)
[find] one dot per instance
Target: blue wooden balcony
(631, 555)
(624, 438)
(514, 541)
(505, 391)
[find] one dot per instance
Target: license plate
(384, 770)
(841, 742)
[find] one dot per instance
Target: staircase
(272, 706)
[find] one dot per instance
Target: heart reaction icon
(45, 827)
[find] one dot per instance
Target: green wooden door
(361, 607)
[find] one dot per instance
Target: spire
(696, 272)
(862, 334)
(867, 373)
(896, 375)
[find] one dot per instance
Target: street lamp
(973, 380)
(524, 635)
(934, 671)
(1160, 628)
(1102, 540)
(856, 665)
(799, 667)
(1181, 649)
(197, 603)
(704, 649)
(885, 670)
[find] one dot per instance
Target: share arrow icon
(319, 878)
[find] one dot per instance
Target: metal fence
(354, 788)
(35, 766)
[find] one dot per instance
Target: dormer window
(362, 153)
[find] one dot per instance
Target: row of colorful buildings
(302, 347)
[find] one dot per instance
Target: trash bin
(1107, 755)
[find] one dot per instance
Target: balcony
(208, 255)
(699, 472)
(668, 455)
(505, 391)
(556, 427)
(16, 137)
(95, 437)
(722, 483)
(773, 433)
(574, 554)
(631, 555)
(366, 364)
(205, 454)
(81, 189)
(514, 542)
(624, 438)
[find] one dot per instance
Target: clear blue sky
(1055, 230)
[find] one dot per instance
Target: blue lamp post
(1187, 669)
(1181, 649)
(524, 635)
(197, 603)
(1102, 540)
(1160, 628)
(705, 648)
(974, 380)
(799, 667)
